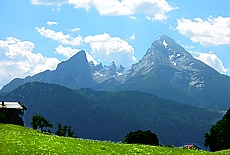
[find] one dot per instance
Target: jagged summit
(80, 54)
(112, 64)
(73, 63)
(112, 68)
(165, 38)
(164, 52)
(168, 46)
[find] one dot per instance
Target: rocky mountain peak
(165, 40)
(95, 68)
(165, 51)
(167, 46)
(120, 69)
(112, 64)
(165, 55)
(76, 61)
(112, 68)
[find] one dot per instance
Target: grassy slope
(21, 140)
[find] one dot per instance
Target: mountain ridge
(166, 70)
(169, 71)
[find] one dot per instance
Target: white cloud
(69, 52)
(130, 38)
(18, 60)
(107, 49)
(75, 29)
(51, 23)
(49, 2)
(86, 4)
(59, 36)
(212, 60)
(133, 17)
(212, 32)
(90, 58)
(152, 9)
(66, 51)
(112, 8)
(133, 37)
(188, 47)
(56, 9)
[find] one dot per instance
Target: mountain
(74, 73)
(166, 70)
(169, 71)
(111, 115)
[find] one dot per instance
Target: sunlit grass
(21, 140)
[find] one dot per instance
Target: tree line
(38, 121)
(137, 137)
(218, 137)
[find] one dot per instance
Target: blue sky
(36, 35)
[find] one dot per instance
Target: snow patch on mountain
(196, 81)
(171, 57)
(174, 63)
(165, 44)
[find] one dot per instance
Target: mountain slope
(169, 71)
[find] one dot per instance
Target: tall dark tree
(218, 137)
(60, 131)
(65, 131)
(141, 137)
(70, 132)
(38, 121)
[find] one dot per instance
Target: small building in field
(11, 105)
(191, 147)
(11, 113)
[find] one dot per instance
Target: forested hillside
(177, 123)
(110, 115)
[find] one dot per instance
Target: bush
(168, 145)
(141, 137)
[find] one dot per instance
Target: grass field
(21, 140)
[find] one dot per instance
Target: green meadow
(21, 140)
